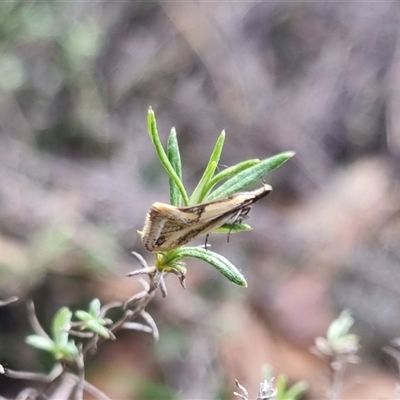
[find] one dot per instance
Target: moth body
(168, 227)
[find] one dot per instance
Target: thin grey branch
(34, 321)
(149, 319)
(8, 301)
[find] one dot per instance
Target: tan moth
(168, 227)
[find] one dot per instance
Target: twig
(78, 393)
(34, 321)
(149, 319)
(31, 376)
(8, 301)
(338, 371)
(26, 394)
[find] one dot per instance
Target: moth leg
(237, 218)
(206, 241)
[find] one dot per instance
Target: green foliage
(60, 346)
(221, 264)
(339, 344)
(283, 390)
(167, 164)
(174, 158)
(201, 191)
(338, 336)
(239, 176)
(236, 178)
(249, 175)
(231, 171)
(286, 392)
(91, 321)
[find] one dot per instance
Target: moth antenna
(221, 165)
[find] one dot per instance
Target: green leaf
(297, 390)
(250, 175)
(200, 190)
(83, 315)
(60, 348)
(61, 325)
(68, 351)
(229, 172)
(91, 320)
(155, 138)
(233, 228)
(340, 326)
(174, 158)
(293, 393)
(94, 307)
(97, 327)
(41, 342)
(281, 384)
(216, 260)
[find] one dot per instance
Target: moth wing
(162, 225)
(168, 227)
(214, 209)
(171, 239)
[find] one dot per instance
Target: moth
(167, 227)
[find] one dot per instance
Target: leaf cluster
(60, 344)
(212, 185)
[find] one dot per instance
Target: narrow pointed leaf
(83, 315)
(96, 327)
(198, 193)
(68, 351)
(281, 386)
(41, 342)
(153, 133)
(297, 390)
(94, 307)
(233, 228)
(250, 175)
(60, 326)
(174, 158)
(340, 326)
(225, 267)
(229, 172)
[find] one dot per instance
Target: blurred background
(78, 174)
